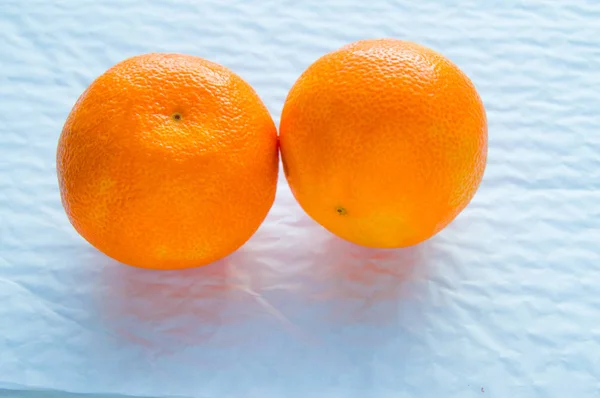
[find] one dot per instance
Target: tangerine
(383, 142)
(167, 161)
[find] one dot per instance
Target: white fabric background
(502, 303)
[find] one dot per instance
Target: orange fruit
(168, 161)
(383, 142)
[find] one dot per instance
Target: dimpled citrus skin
(384, 142)
(168, 161)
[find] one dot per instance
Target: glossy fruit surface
(168, 161)
(384, 142)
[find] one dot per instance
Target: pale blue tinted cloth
(502, 303)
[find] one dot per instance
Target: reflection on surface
(165, 308)
(364, 285)
(325, 285)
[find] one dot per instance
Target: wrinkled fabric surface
(502, 303)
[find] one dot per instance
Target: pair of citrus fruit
(170, 161)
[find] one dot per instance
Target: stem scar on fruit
(176, 116)
(341, 211)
